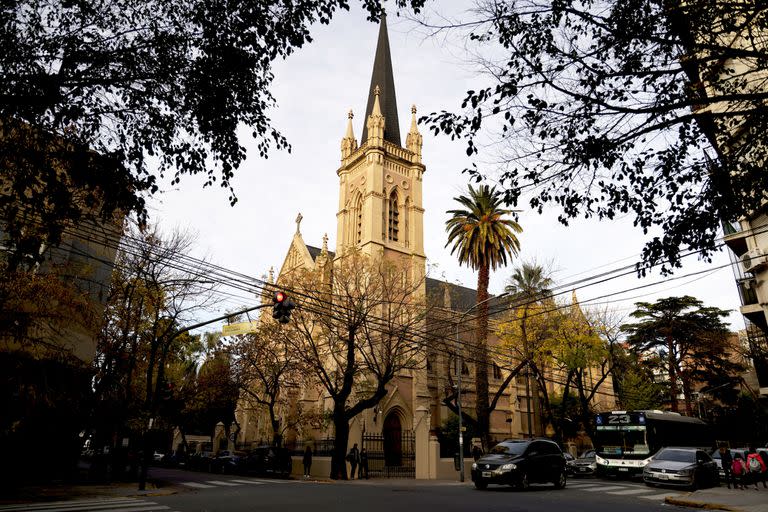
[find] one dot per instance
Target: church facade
(380, 213)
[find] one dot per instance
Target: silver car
(687, 467)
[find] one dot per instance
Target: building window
(464, 368)
(496, 371)
(359, 220)
(393, 216)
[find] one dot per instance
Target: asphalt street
(201, 492)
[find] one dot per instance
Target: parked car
(688, 467)
(718, 460)
(269, 461)
(200, 461)
(569, 463)
(586, 464)
(228, 462)
(520, 463)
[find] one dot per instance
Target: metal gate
(391, 457)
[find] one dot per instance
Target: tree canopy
(651, 108)
(105, 98)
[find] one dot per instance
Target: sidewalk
(722, 498)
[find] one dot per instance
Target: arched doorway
(393, 440)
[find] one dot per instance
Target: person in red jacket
(756, 467)
(739, 471)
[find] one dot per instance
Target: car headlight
(474, 465)
(593, 465)
(508, 467)
(600, 460)
(685, 472)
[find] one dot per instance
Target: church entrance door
(393, 442)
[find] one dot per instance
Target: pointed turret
(376, 122)
(414, 140)
(383, 78)
(348, 143)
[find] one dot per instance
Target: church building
(381, 214)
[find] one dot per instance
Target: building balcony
(747, 292)
(756, 314)
(735, 238)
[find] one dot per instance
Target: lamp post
(460, 367)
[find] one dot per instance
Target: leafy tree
(530, 284)
(653, 108)
(690, 340)
(484, 239)
(101, 100)
(151, 297)
(353, 330)
(266, 369)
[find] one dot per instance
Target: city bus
(625, 441)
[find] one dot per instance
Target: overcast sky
(315, 88)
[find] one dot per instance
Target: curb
(682, 502)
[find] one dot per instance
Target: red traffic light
(279, 297)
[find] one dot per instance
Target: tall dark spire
(382, 76)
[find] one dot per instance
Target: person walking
(726, 460)
(363, 464)
(739, 470)
(755, 467)
(307, 461)
(353, 457)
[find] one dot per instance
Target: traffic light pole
(147, 455)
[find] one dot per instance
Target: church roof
(383, 77)
(315, 252)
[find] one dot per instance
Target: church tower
(380, 196)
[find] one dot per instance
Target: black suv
(520, 463)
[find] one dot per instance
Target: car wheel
(560, 482)
(524, 484)
(694, 482)
(481, 485)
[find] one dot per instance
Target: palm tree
(529, 284)
(484, 239)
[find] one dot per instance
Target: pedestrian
(739, 470)
(477, 452)
(726, 460)
(363, 464)
(353, 457)
(756, 467)
(307, 461)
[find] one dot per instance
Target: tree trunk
(672, 374)
(481, 359)
(341, 428)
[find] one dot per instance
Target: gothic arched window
(359, 219)
(393, 216)
(406, 221)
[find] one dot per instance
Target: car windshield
(509, 448)
(676, 455)
(589, 454)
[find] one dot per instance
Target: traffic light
(281, 310)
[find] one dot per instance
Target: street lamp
(460, 367)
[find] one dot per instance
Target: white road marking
(103, 505)
(197, 485)
(604, 489)
(222, 482)
(252, 482)
(631, 491)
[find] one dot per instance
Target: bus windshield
(622, 440)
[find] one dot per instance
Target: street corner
(691, 502)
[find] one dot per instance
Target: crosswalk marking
(584, 487)
(630, 492)
(222, 482)
(252, 482)
(198, 485)
(102, 505)
(659, 496)
(607, 488)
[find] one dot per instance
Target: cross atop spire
(383, 78)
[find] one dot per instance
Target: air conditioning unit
(754, 260)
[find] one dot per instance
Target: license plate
(583, 470)
(662, 476)
(623, 469)
(486, 474)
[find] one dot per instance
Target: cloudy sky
(315, 88)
